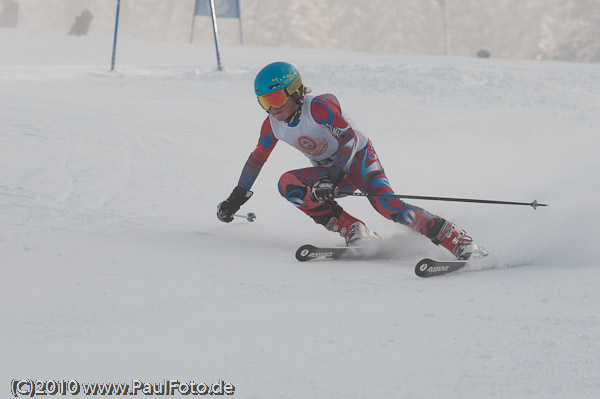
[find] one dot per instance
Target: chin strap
(296, 114)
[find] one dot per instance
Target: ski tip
(429, 267)
(422, 266)
(303, 252)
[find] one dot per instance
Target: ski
(430, 268)
(424, 268)
(310, 252)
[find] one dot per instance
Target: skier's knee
(291, 188)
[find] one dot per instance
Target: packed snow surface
(115, 267)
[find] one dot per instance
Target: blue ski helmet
(277, 76)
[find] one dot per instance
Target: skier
(343, 160)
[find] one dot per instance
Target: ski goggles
(275, 99)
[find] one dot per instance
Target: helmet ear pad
(298, 96)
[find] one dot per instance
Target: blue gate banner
(223, 8)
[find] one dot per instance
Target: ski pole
(249, 217)
(533, 204)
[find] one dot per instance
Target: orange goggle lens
(275, 99)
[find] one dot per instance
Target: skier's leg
(295, 186)
(368, 175)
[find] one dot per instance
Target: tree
(570, 31)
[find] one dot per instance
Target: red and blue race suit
(326, 136)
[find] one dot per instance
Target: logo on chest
(311, 145)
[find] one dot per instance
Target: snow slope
(115, 267)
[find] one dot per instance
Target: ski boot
(359, 234)
(350, 228)
(459, 243)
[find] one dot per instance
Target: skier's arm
(241, 193)
(258, 157)
(327, 112)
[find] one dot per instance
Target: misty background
(567, 30)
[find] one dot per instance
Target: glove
(326, 188)
(228, 208)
